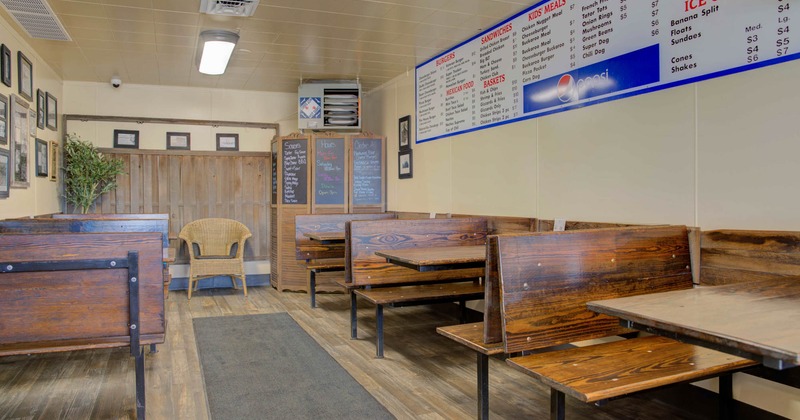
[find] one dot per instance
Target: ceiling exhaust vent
(229, 7)
(37, 19)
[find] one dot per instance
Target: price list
(562, 54)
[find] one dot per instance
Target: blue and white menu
(563, 54)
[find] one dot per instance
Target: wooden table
(326, 237)
(756, 320)
(437, 258)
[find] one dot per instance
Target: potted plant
(88, 173)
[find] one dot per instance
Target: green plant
(88, 173)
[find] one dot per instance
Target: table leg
(557, 410)
(483, 386)
(312, 287)
(379, 332)
(353, 316)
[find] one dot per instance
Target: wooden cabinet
(321, 173)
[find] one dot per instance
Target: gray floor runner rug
(268, 367)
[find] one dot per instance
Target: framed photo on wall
(41, 112)
(405, 164)
(5, 173)
(20, 141)
(126, 139)
(42, 160)
(53, 161)
(227, 142)
(5, 65)
(179, 141)
(25, 74)
(32, 122)
(404, 132)
(52, 112)
(3, 120)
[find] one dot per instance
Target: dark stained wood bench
(318, 243)
(385, 284)
(546, 281)
(79, 291)
(99, 223)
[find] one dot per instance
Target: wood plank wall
(195, 185)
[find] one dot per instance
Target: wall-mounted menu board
(367, 171)
(329, 176)
(294, 163)
(562, 54)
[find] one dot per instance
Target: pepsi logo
(567, 90)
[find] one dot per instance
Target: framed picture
(3, 120)
(41, 111)
(52, 112)
(404, 132)
(5, 173)
(228, 142)
(126, 139)
(19, 141)
(405, 164)
(5, 65)
(179, 141)
(25, 75)
(54, 161)
(32, 122)
(42, 160)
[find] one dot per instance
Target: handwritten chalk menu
(274, 159)
(329, 177)
(563, 54)
(295, 171)
(367, 171)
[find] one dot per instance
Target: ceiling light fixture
(217, 46)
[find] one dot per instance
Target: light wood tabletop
(436, 258)
(326, 237)
(757, 320)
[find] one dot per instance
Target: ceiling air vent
(37, 19)
(229, 7)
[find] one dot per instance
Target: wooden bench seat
(385, 284)
(319, 242)
(546, 281)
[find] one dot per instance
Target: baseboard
(253, 280)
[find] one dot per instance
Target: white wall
(41, 196)
(722, 153)
(129, 100)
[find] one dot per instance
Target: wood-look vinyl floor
(423, 375)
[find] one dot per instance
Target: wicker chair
(210, 243)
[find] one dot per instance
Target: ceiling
(154, 41)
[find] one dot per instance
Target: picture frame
(5, 173)
(19, 142)
(5, 65)
(52, 112)
(42, 160)
(404, 132)
(32, 122)
(228, 142)
(179, 141)
(41, 109)
(126, 139)
(53, 161)
(25, 76)
(405, 164)
(3, 120)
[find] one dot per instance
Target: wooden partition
(194, 185)
(735, 256)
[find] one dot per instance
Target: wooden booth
(320, 173)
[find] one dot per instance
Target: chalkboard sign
(367, 171)
(274, 159)
(295, 171)
(329, 177)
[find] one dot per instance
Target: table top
(326, 236)
(755, 319)
(437, 258)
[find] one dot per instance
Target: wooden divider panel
(735, 256)
(363, 267)
(88, 225)
(547, 278)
